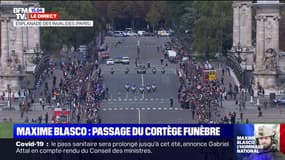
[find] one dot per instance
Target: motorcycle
(153, 87)
(127, 71)
(141, 89)
(163, 70)
(112, 71)
(127, 87)
(134, 88)
(148, 88)
(153, 70)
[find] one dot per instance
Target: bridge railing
(41, 66)
(233, 63)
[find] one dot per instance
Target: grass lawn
(6, 130)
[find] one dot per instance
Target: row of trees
(206, 26)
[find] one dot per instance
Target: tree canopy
(52, 38)
(206, 25)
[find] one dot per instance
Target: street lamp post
(9, 96)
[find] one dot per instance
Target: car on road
(141, 69)
(104, 55)
(147, 34)
(131, 34)
(125, 60)
(118, 60)
(280, 101)
(119, 34)
(163, 33)
(141, 33)
(110, 61)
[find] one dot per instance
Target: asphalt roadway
(122, 106)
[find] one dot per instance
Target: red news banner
(44, 16)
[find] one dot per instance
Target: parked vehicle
(130, 33)
(104, 55)
(119, 34)
(280, 101)
(110, 61)
(125, 60)
(163, 33)
(147, 34)
(141, 33)
(118, 60)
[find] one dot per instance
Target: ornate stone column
(267, 46)
(242, 27)
(242, 33)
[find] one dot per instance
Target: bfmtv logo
(21, 13)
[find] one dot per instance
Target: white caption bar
(60, 23)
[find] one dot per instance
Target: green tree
(53, 38)
(212, 31)
(158, 13)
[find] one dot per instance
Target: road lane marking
(148, 108)
(139, 115)
(143, 108)
(154, 108)
(142, 85)
(159, 108)
(164, 108)
(132, 108)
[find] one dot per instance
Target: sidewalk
(15, 115)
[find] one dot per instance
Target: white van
(83, 48)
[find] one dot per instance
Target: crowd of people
(203, 96)
(70, 85)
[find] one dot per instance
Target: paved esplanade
(154, 107)
(128, 107)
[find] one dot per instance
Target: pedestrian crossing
(136, 99)
(142, 108)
